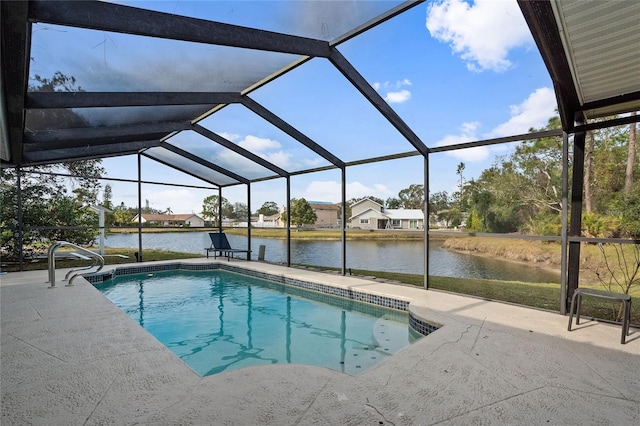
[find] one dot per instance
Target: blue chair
(220, 246)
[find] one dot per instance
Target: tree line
(301, 211)
(522, 191)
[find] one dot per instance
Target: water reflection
(141, 304)
(373, 255)
(218, 321)
(288, 331)
(343, 332)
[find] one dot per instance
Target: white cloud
(323, 191)
(481, 32)
(467, 134)
(391, 95)
(279, 158)
(256, 144)
(357, 190)
(478, 153)
(233, 137)
(181, 201)
(231, 160)
(398, 97)
(262, 147)
(313, 162)
(331, 191)
(534, 112)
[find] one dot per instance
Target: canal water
(372, 255)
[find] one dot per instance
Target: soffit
(601, 41)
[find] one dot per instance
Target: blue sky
(453, 70)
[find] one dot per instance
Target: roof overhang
(591, 50)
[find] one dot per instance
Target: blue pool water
(218, 321)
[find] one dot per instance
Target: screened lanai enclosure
(156, 81)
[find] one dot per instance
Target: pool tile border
(416, 324)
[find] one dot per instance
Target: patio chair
(576, 301)
(220, 246)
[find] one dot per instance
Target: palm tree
(459, 171)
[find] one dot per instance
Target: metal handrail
(97, 259)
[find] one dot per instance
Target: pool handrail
(97, 259)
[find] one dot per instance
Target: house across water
(368, 214)
(187, 220)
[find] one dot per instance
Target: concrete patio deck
(70, 357)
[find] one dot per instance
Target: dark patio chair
(220, 246)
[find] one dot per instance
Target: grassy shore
(537, 295)
(302, 234)
(598, 264)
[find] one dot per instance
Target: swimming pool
(218, 320)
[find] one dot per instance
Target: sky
(454, 71)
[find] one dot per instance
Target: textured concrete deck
(70, 357)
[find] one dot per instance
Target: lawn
(536, 295)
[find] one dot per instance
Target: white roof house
(166, 220)
(368, 214)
